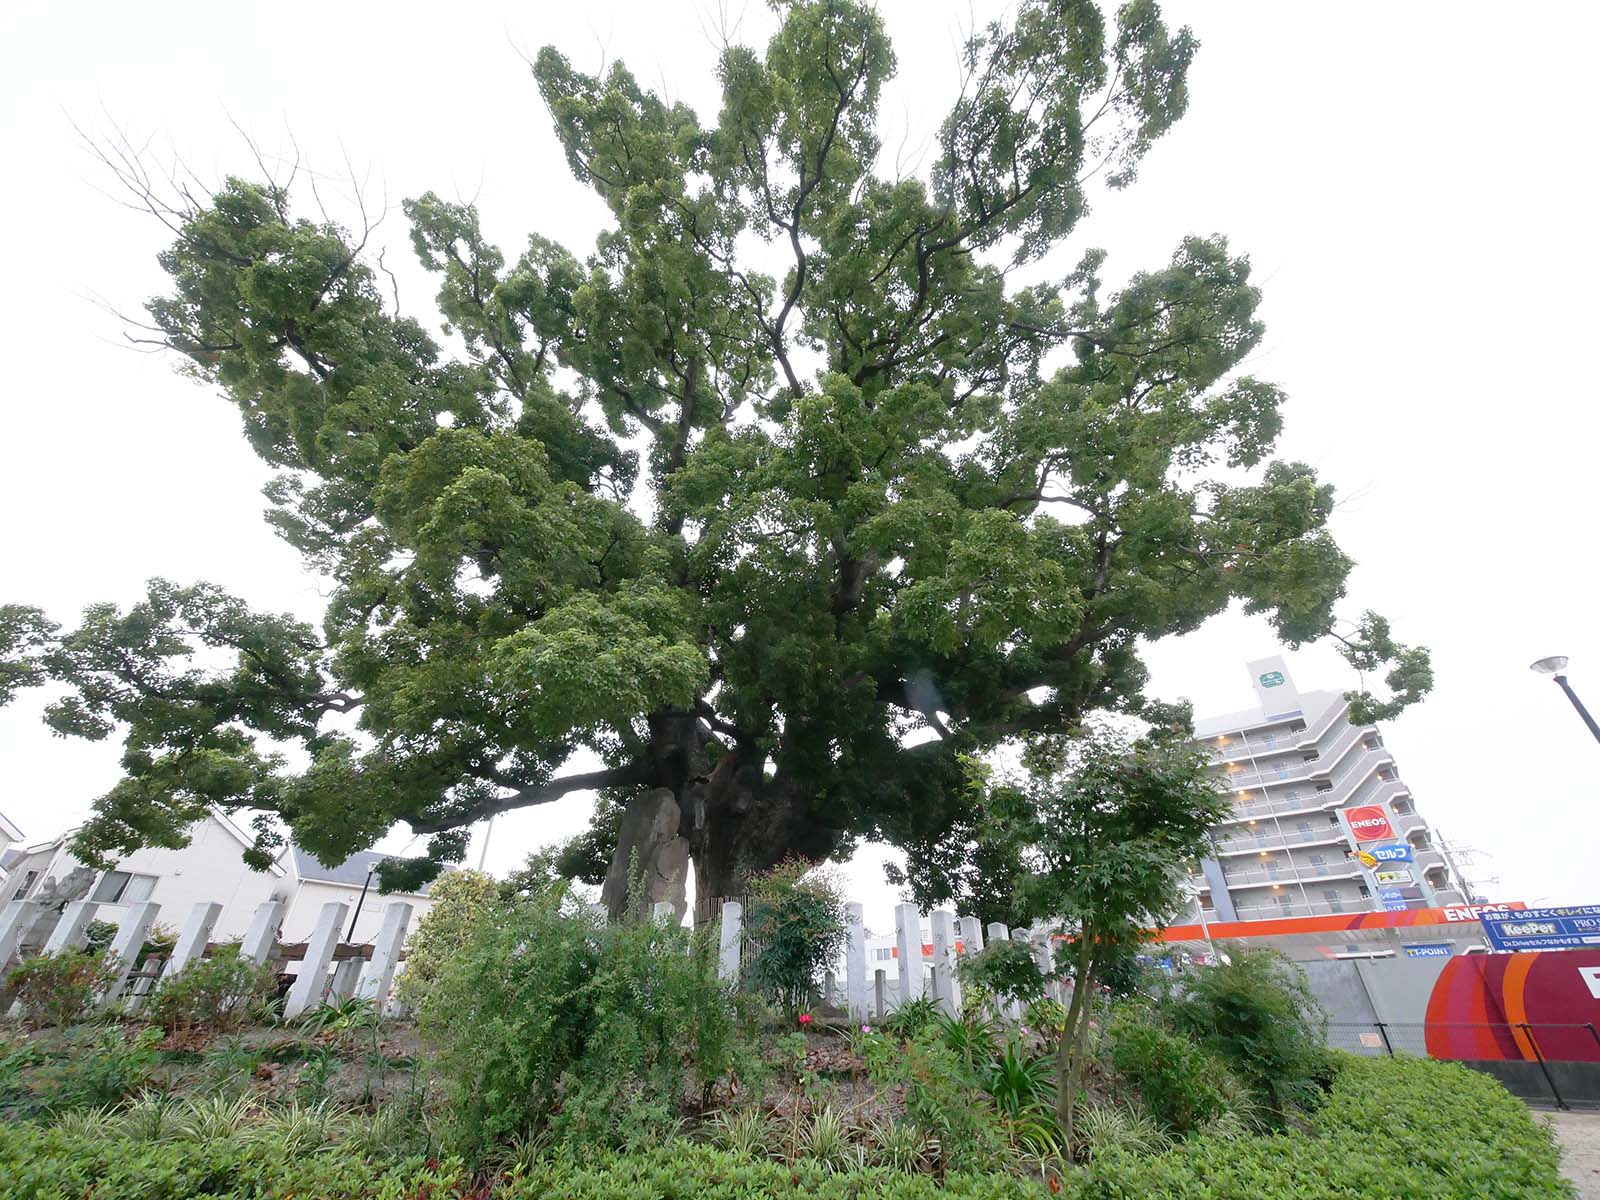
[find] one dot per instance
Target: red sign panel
(1369, 823)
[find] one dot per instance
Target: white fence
(870, 995)
(330, 971)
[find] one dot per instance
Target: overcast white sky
(1415, 184)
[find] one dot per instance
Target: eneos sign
(1369, 823)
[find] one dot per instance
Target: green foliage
(1257, 1014)
(794, 917)
(942, 1095)
(60, 988)
(1181, 1084)
(1413, 1128)
(1020, 1082)
(95, 1067)
(1005, 970)
(735, 525)
(66, 1161)
(1107, 1128)
(460, 901)
(972, 1036)
(97, 936)
(683, 1169)
(551, 1017)
(911, 1017)
(220, 993)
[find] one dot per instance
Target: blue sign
(1391, 895)
(1394, 906)
(1272, 679)
(1543, 928)
(1428, 950)
(1398, 852)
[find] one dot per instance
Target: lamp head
(1553, 665)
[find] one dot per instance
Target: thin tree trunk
(1069, 1051)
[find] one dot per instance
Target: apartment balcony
(1298, 872)
(1406, 823)
(1239, 744)
(1429, 859)
(1447, 896)
(1387, 790)
(1302, 908)
(1275, 839)
(1334, 755)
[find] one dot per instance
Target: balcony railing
(1335, 753)
(1405, 823)
(1295, 872)
(1386, 790)
(1428, 858)
(1447, 896)
(1242, 745)
(1302, 908)
(1271, 839)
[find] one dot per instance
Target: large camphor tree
(777, 546)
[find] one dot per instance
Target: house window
(119, 887)
(28, 881)
(1331, 895)
(1318, 860)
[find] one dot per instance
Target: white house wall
(210, 868)
(312, 894)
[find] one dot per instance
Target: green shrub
(912, 1017)
(1257, 1014)
(1414, 1129)
(219, 994)
(1180, 1083)
(60, 988)
(1005, 970)
(943, 1097)
(115, 1065)
(460, 898)
(794, 918)
(42, 1162)
(551, 1017)
(682, 1169)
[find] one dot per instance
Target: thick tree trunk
(733, 820)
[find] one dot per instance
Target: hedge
(1400, 1129)
(1393, 1129)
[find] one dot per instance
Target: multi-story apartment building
(1322, 822)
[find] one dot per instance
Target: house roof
(351, 872)
(10, 831)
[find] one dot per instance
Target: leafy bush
(460, 898)
(942, 1097)
(60, 988)
(75, 1162)
(218, 994)
(1180, 1083)
(116, 1065)
(1105, 1128)
(794, 918)
(1005, 970)
(1258, 1015)
(1413, 1128)
(912, 1017)
(681, 1169)
(551, 1017)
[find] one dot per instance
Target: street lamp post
(1556, 666)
